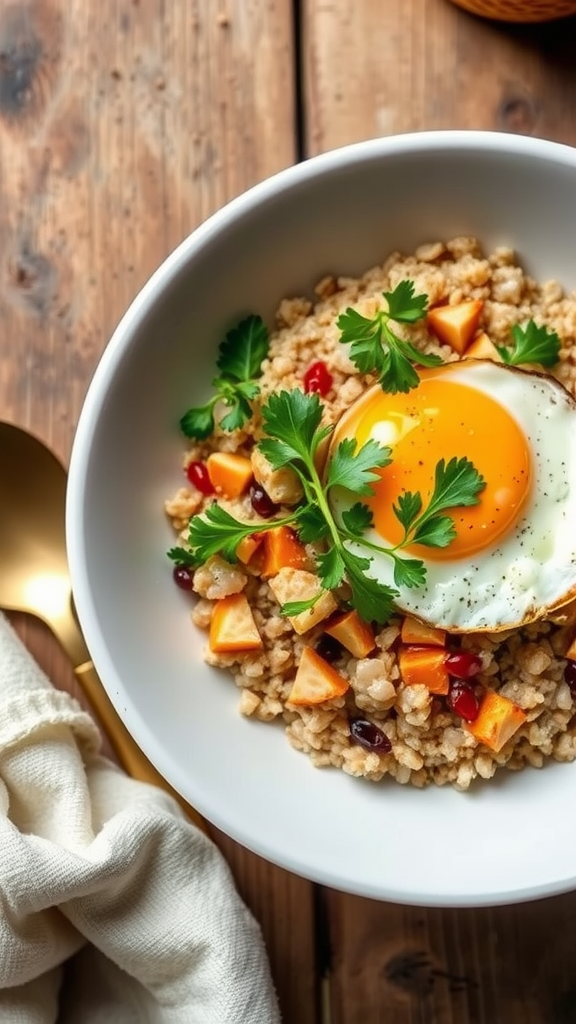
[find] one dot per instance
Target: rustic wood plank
(373, 69)
(123, 125)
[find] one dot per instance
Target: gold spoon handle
(133, 760)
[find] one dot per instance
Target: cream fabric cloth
(114, 909)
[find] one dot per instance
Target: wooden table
(123, 124)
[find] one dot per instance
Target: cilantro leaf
(532, 344)
(311, 524)
(199, 422)
(404, 306)
(375, 348)
(292, 421)
(372, 600)
(409, 572)
(240, 359)
(216, 532)
(331, 568)
(436, 532)
(243, 350)
(182, 556)
(365, 339)
(355, 469)
(408, 508)
(357, 519)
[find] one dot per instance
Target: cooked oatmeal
(381, 725)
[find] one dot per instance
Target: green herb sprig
(293, 424)
(240, 359)
(531, 344)
(375, 348)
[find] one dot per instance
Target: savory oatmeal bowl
(341, 418)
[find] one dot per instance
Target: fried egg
(513, 559)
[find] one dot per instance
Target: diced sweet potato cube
(420, 633)
(248, 546)
(424, 666)
(456, 325)
(230, 474)
(282, 550)
(482, 347)
(316, 680)
(299, 585)
(498, 720)
(353, 633)
(232, 627)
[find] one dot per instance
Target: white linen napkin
(114, 908)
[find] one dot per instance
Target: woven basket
(519, 10)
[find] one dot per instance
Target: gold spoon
(34, 578)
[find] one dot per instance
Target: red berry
(463, 701)
(183, 577)
(318, 378)
(197, 473)
(463, 665)
(262, 502)
(570, 676)
(369, 736)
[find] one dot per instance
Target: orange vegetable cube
(316, 680)
(353, 633)
(230, 475)
(232, 627)
(282, 550)
(498, 720)
(248, 547)
(420, 633)
(426, 666)
(482, 347)
(456, 325)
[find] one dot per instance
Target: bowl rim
(120, 341)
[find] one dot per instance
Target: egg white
(532, 569)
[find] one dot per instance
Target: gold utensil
(34, 578)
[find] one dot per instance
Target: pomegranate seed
(329, 648)
(570, 676)
(463, 665)
(463, 701)
(183, 577)
(368, 735)
(318, 378)
(262, 502)
(197, 473)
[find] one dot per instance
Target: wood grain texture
(372, 69)
(123, 125)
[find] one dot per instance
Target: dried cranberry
(570, 676)
(183, 577)
(329, 648)
(262, 502)
(197, 473)
(318, 378)
(463, 665)
(368, 735)
(463, 701)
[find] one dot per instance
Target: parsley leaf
(375, 348)
(532, 344)
(357, 519)
(409, 572)
(240, 359)
(215, 532)
(373, 601)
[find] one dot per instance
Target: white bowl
(510, 839)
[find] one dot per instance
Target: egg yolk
(440, 419)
